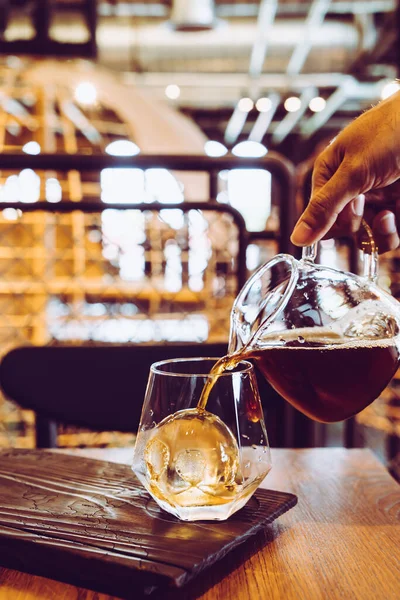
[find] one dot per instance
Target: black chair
(99, 387)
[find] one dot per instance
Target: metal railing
(282, 173)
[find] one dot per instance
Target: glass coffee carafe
(326, 340)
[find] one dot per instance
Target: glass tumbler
(201, 464)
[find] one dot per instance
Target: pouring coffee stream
(326, 340)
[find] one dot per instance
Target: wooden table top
(342, 540)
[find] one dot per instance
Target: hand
(362, 164)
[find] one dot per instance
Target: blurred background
(186, 131)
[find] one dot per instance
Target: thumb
(325, 205)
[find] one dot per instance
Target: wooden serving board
(90, 523)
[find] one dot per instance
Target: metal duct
(190, 15)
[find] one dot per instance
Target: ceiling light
(173, 91)
(249, 149)
(245, 105)
(122, 148)
(263, 104)
(292, 104)
(390, 88)
(86, 93)
(31, 148)
(317, 104)
(215, 149)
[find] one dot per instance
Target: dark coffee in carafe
(325, 376)
(333, 382)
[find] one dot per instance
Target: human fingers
(325, 205)
(326, 165)
(349, 220)
(385, 232)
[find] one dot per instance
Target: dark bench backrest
(100, 387)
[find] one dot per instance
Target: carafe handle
(365, 242)
(310, 252)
